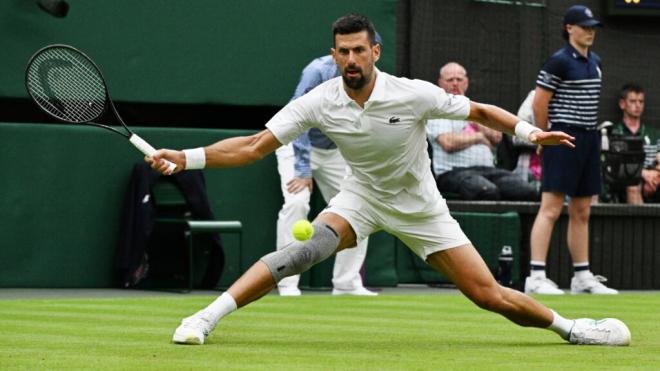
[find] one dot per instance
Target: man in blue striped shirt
(566, 98)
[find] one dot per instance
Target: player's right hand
(552, 138)
(156, 161)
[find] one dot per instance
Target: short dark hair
(564, 33)
(628, 88)
(353, 23)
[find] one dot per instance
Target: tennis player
(378, 123)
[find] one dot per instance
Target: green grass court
(317, 332)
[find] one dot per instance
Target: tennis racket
(68, 85)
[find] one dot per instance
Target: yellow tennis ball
(302, 230)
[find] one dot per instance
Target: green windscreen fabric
(488, 232)
(248, 52)
(63, 195)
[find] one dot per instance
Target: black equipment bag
(151, 254)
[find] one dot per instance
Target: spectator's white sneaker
(289, 291)
(194, 329)
(542, 286)
(360, 291)
(591, 285)
(608, 331)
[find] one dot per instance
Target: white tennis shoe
(194, 329)
(591, 285)
(608, 331)
(541, 285)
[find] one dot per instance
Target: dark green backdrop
(247, 52)
(63, 189)
(61, 200)
(62, 205)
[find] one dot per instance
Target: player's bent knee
(488, 299)
(300, 256)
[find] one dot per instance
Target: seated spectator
(462, 153)
(631, 103)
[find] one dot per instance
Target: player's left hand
(551, 138)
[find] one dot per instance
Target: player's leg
(549, 211)
(338, 227)
(331, 233)
(465, 267)
(439, 239)
(329, 170)
(294, 208)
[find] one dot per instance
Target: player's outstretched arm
(493, 117)
(499, 119)
(230, 152)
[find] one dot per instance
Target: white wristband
(524, 129)
(195, 158)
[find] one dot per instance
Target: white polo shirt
(384, 143)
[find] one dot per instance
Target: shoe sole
(187, 340)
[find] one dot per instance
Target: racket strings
(67, 85)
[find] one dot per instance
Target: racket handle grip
(148, 150)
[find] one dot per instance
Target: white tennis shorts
(423, 233)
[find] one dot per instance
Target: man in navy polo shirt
(566, 98)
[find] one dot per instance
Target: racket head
(66, 83)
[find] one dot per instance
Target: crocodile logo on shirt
(394, 120)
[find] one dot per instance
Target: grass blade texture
(317, 332)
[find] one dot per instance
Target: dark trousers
(487, 183)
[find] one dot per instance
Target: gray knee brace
(300, 256)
